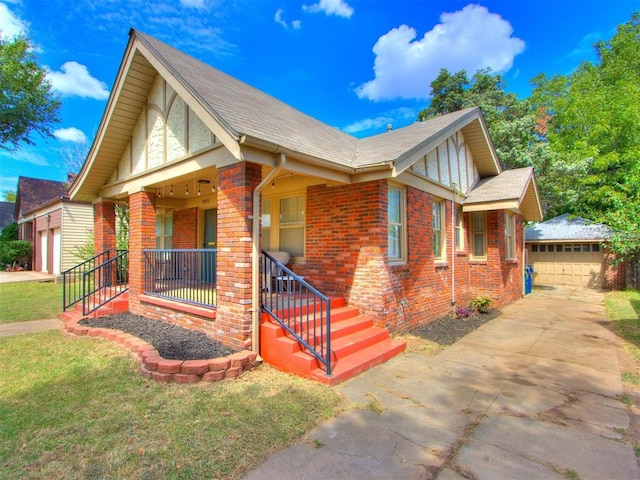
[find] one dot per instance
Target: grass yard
(74, 408)
(623, 308)
(24, 301)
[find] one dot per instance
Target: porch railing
(72, 279)
(185, 275)
(298, 307)
(105, 281)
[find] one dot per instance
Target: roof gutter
(255, 250)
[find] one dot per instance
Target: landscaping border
(163, 370)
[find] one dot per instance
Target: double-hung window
(164, 231)
(396, 224)
(479, 235)
(510, 235)
(438, 230)
(283, 223)
(459, 229)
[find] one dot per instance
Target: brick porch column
(235, 203)
(104, 226)
(142, 236)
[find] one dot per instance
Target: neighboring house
(7, 210)
(404, 225)
(54, 224)
(568, 250)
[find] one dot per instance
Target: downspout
(255, 254)
(453, 246)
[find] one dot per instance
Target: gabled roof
(239, 114)
(7, 210)
(567, 228)
(512, 189)
(33, 192)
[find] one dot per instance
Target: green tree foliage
(593, 130)
(10, 232)
(511, 122)
(27, 104)
(15, 254)
(9, 195)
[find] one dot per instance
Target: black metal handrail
(72, 279)
(105, 282)
(298, 307)
(184, 275)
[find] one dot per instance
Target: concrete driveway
(28, 276)
(532, 394)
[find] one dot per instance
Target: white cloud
(26, 156)
(71, 134)
(330, 7)
(279, 19)
(74, 79)
(10, 25)
(469, 39)
(396, 118)
(199, 4)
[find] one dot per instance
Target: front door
(210, 242)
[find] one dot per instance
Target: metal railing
(185, 275)
(298, 307)
(104, 282)
(72, 279)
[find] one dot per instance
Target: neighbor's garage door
(567, 264)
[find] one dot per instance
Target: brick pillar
(104, 226)
(235, 203)
(142, 235)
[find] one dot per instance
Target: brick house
(401, 226)
(53, 223)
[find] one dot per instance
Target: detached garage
(568, 251)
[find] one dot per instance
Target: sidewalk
(19, 328)
(531, 394)
(29, 276)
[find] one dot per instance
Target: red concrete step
(358, 362)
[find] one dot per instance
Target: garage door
(567, 264)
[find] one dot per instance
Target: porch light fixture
(186, 192)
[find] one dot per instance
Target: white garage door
(567, 264)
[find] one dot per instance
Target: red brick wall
(185, 228)
(235, 205)
(614, 275)
(104, 226)
(346, 255)
(142, 236)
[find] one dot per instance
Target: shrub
(10, 232)
(463, 312)
(480, 304)
(15, 253)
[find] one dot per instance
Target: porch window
(164, 230)
(479, 235)
(510, 235)
(396, 227)
(459, 229)
(438, 231)
(283, 222)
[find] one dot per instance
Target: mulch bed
(448, 330)
(171, 341)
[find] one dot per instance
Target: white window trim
(459, 229)
(510, 236)
(275, 221)
(443, 233)
(472, 235)
(402, 259)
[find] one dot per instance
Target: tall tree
(27, 104)
(594, 133)
(9, 195)
(511, 121)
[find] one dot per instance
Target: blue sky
(355, 65)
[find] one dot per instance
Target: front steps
(356, 346)
(119, 304)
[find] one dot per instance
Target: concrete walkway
(531, 394)
(29, 276)
(20, 328)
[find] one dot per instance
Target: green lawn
(623, 308)
(20, 302)
(73, 408)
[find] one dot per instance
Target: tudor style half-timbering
(402, 226)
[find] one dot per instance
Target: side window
(438, 230)
(478, 235)
(396, 224)
(459, 229)
(510, 235)
(283, 224)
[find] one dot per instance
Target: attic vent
(389, 127)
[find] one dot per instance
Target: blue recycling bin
(528, 279)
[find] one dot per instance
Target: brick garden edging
(160, 369)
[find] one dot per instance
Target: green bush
(15, 253)
(10, 232)
(480, 304)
